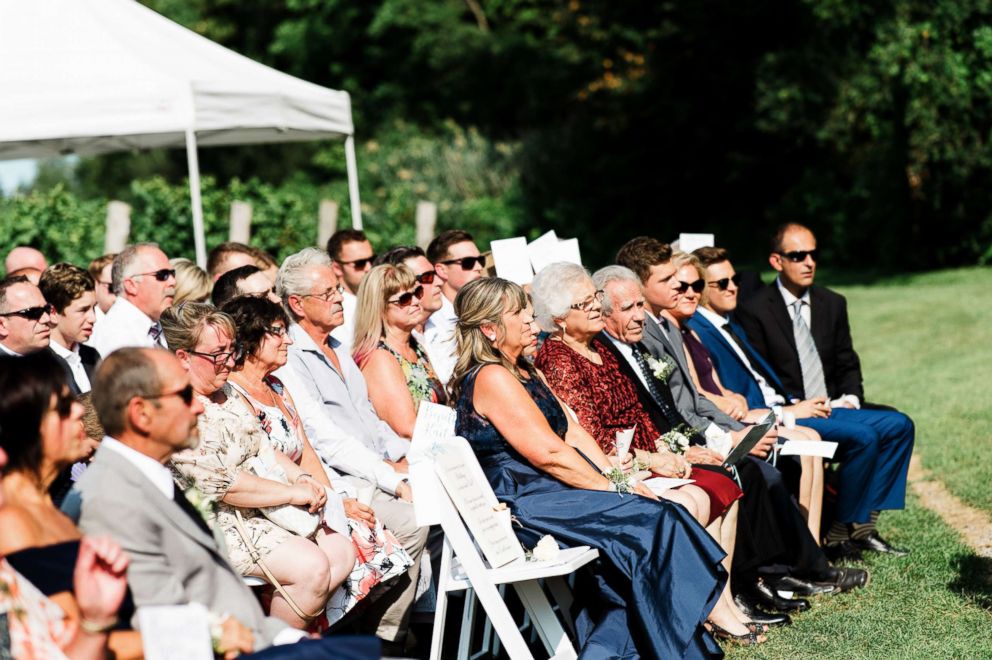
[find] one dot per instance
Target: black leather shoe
(754, 613)
(875, 543)
(799, 587)
(842, 551)
(767, 599)
(844, 579)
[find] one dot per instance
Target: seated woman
(41, 431)
(397, 370)
(309, 569)
(263, 340)
(665, 563)
(192, 282)
(692, 280)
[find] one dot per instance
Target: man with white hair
(25, 317)
(24, 257)
(332, 400)
(145, 284)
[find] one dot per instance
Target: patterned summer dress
(31, 626)
(423, 383)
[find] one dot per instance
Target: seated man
(23, 257)
(243, 281)
(25, 317)
(803, 332)
(71, 292)
(414, 258)
(351, 256)
(332, 401)
(145, 284)
(146, 404)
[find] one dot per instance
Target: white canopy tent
(97, 76)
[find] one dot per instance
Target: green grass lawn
(926, 347)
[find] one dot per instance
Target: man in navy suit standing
(792, 348)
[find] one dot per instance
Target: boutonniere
(661, 369)
(676, 440)
(205, 505)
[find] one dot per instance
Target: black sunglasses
(724, 282)
(32, 313)
(407, 297)
(696, 286)
(427, 277)
(466, 263)
(359, 264)
(799, 256)
(161, 275)
(186, 394)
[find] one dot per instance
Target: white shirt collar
(717, 320)
(131, 314)
(443, 317)
(155, 472)
(787, 295)
(7, 351)
(69, 355)
(303, 341)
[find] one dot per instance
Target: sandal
(750, 638)
(759, 628)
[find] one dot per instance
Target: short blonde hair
(680, 259)
(377, 287)
(192, 282)
(183, 324)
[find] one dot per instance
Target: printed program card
(512, 260)
(823, 448)
(175, 632)
(435, 424)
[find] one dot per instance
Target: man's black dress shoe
(844, 578)
(875, 543)
(754, 613)
(799, 587)
(842, 551)
(767, 599)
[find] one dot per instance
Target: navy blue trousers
(874, 449)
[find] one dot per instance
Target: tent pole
(194, 194)
(352, 165)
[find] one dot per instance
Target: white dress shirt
(75, 365)
(6, 351)
(155, 472)
(790, 301)
(439, 340)
(124, 326)
(345, 333)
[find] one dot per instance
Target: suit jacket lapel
(643, 395)
(778, 310)
(818, 321)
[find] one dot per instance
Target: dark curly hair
(253, 317)
(27, 383)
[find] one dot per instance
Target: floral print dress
(423, 383)
(31, 626)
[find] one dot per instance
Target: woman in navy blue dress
(659, 576)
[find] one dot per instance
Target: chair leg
(558, 587)
(468, 618)
(546, 624)
(441, 606)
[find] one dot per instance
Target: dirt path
(973, 525)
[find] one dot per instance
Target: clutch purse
(290, 517)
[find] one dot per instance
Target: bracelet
(304, 475)
(619, 480)
(97, 628)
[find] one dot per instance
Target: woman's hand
(100, 579)
(644, 491)
(669, 465)
(306, 494)
(703, 456)
(627, 464)
(358, 511)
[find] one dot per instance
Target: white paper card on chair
(659, 485)
(512, 260)
(823, 448)
(175, 632)
(435, 424)
(624, 438)
(690, 242)
(543, 250)
(459, 471)
(568, 250)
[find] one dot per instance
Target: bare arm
(388, 392)
(501, 399)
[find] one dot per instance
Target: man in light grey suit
(146, 405)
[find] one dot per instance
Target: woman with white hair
(659, 577)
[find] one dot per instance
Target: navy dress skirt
(659, 572)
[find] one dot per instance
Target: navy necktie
(673, 418)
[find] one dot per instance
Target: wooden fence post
(118, 228)
(426, 222)
(327, 221)
(240, 229)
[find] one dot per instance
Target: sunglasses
(724, 283)
(406, 299)
(222, 357)
(466, 263)
(359, 264)
(32, 313)
(186, 394)
(799, 256)
(427, 277)
(161, 275)
(696, 286)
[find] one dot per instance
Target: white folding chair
(463, 567)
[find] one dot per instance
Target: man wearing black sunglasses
(457, 262)
(145, 284)
(803, 331)
(351, 258)
(25, 317)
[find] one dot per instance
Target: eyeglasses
(327, 296)
(799, 256)
(589, 303)
(427, 277)
(466, 263)
(359, 264)
(696, 286)
(406, 299)
(222, 357)
(276, 330)
(186, 394)
(32, 313)
(724, 282)
(161, 275)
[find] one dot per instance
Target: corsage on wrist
(619, 480)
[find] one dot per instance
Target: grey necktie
(809, 358)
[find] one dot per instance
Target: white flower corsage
(676, 440)
(662, 368)
(205, 505)
(546, 549)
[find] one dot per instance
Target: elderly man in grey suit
(146, 405)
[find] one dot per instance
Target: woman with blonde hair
(394, 364)
(192, 282)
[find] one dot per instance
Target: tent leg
(195, 201)
(352, 164)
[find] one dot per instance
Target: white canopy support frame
(91, 77)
